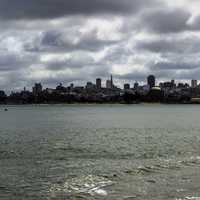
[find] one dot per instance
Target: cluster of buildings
(166, 92)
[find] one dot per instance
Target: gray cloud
(195, 23)
(13, 61)
(129, 38)
(58, 41)
(166, 20)
(176, 45)
(157, 46)
(132, 77)
(31, 9)
(76, 61)
(175, 65)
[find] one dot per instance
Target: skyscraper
(126, 86)
(194, 83)
(98, 83)
(109, 83)
(37, 89)
(136, 85)
(151, 81)
(111, 79)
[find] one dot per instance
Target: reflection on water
(90, 184)
(100, 152)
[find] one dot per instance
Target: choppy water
(109, 152)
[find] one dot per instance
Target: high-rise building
(151, 81)
(194, 83)
(111, 79)
(2, 96)
(173, 83)
(98, 83)
(89, 85)
(126, 86)
(71, 85)
(136, 85)
(37, 89)
(108, 84)
(2, 93)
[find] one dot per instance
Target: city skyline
(165, 92)
(63, 42)
(100, 83)
(109, 83)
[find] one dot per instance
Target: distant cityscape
(164, 92)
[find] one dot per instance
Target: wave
(164, 164)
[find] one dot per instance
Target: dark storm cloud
(175, 65)
(157, 46)
(13, 61)
(32, 9)
(58, 41)
(74, 62)
(185, 45)
(166, 20)
(8, 62)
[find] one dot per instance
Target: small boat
(5, 109)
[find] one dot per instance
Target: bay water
(110, 152)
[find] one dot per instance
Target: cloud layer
(48, 9)
(76, 41)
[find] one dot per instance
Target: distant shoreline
(141, 103)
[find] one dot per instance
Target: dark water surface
(109, 152)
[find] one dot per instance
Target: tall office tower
(194, 83)
(111, 80)
(151, 81)
(126, 86)
(37, 89)
(98, 83)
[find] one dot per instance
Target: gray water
(109, 152)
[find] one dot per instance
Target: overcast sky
(53, 41)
